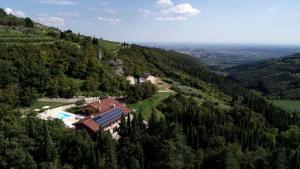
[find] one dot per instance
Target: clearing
(147, 104)
(161, 85)
(287, 105)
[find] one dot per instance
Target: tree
(230, 161)
(29, 23)
(80, 102)
(280, 159)
(31, 127)
(107, 149)
(95, 41)
(27, 96)
(48, 149)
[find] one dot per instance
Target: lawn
(147, 104)
(40, 104)
(288, 105)
(109, 46)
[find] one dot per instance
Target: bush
(80, 102)
(141, 91)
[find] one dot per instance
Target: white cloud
(74, 22)
(68, 14)
(109, 20)
(182, 9)
(146, 12)
(17, 13)
(165, 3)
(171, 18)
(171, 11)
(50, 20)
(58, 2)
(271, 10)
(111, 11)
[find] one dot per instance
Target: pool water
(63, 115)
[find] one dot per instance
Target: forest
(250, 133)
(274, 78)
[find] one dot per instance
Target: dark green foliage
(275, 78)
(29, 23)
(10, 20)
(80, 102)
(141, 91)
(52, 69)
(47, 148)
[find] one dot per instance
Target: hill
(274, 78)
(210, 122)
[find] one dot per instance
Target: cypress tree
(48, 146)
(31, 128)
(230, 161)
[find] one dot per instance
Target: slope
(275, 78)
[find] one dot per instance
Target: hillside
(275, 78)
(210, 122)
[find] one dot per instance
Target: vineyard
(23, 35)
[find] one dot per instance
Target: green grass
(109, 46)
(288, 105)
(297, 75)
(148, 103)
(40, 104)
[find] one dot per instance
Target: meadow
(288, 105)
(146, 105)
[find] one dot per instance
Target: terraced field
(23, 36)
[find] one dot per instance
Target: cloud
(58, 2)
(182, 9)
(50, 20)
(170, 18)
(111, 11)
(74, 22)
(165, 3)
(271, 10)
(113, 21)
(17, 13)
(146, 12)
(171, 11)
(68, 14)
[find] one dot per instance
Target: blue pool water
(63, 115)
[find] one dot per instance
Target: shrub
(80, 102)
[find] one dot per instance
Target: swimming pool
(63, 115)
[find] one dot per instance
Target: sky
(193, 21)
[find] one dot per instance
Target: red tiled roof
(101, 107)
(89, 122)
(106, 104)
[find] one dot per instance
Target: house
(103, 105)
(147, 77)
(106, 116)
